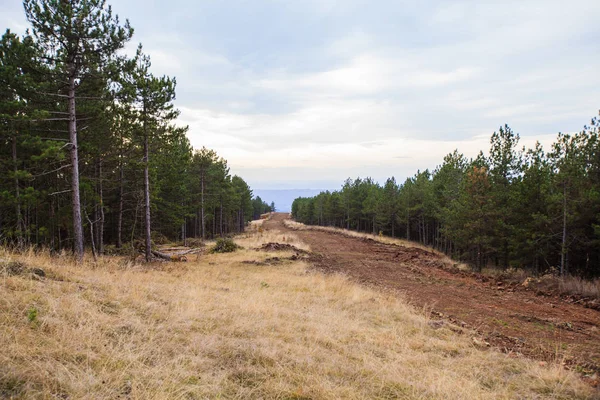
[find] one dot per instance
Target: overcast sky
(305, 93)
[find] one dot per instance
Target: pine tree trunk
(17, 195)
(93, 243)
(99, 211)
(147, 199)
(183, 226)
(76, 203)
(221, 218)
(37, 224)
(102, 216)
(202, 206)
(478, 258)
(120, 213)
(96, 216)
(446, 245)
(321, 215)
(407, 224)
(183, 238)
(60, 244)
(243, 220)
(52, 226)
(563, 250)
(348, 218)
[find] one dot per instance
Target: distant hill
(284, 198)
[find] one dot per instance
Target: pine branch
(50, 172)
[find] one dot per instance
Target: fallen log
(177, 257)
(163, 249)
(169, 257)
(190, 251)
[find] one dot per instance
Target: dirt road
(512, 318)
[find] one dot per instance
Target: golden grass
(255, 224)
(256, 236)
(219, 328)
(576, 285)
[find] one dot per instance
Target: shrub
(125, 250)
(11, 268)
(194, 242)
(32, 314)
(224, 245)
(159, 238)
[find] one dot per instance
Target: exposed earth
(511, 317)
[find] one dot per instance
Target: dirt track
(512, 318)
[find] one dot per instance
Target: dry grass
(255, 224)
(576, 285)
(257, 236)
(218, 328)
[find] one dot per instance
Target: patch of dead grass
(255, 238)
(577, 285)
(219, 328)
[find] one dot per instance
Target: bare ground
(510, 317)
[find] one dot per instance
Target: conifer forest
(91, 153)
(137, 262)
(531, 208)
(92, 156)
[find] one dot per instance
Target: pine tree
(532, 237)
(447, 181)
(505, 164)
(151, 99)
(388, 208)
(77, 38)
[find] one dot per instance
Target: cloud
(286, 145)
(367, 74)
(322, 90)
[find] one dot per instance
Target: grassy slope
(217, 328)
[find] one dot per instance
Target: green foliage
(260, 207)
(225, 245)
(514, 208)
(32, 314)
(126, 113)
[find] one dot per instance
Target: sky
(302, 94)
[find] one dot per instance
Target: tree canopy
(90, 143)
(516, 207)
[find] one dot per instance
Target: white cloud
(164, 62)
(368, 74)
(327, 142)
(368, 88)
